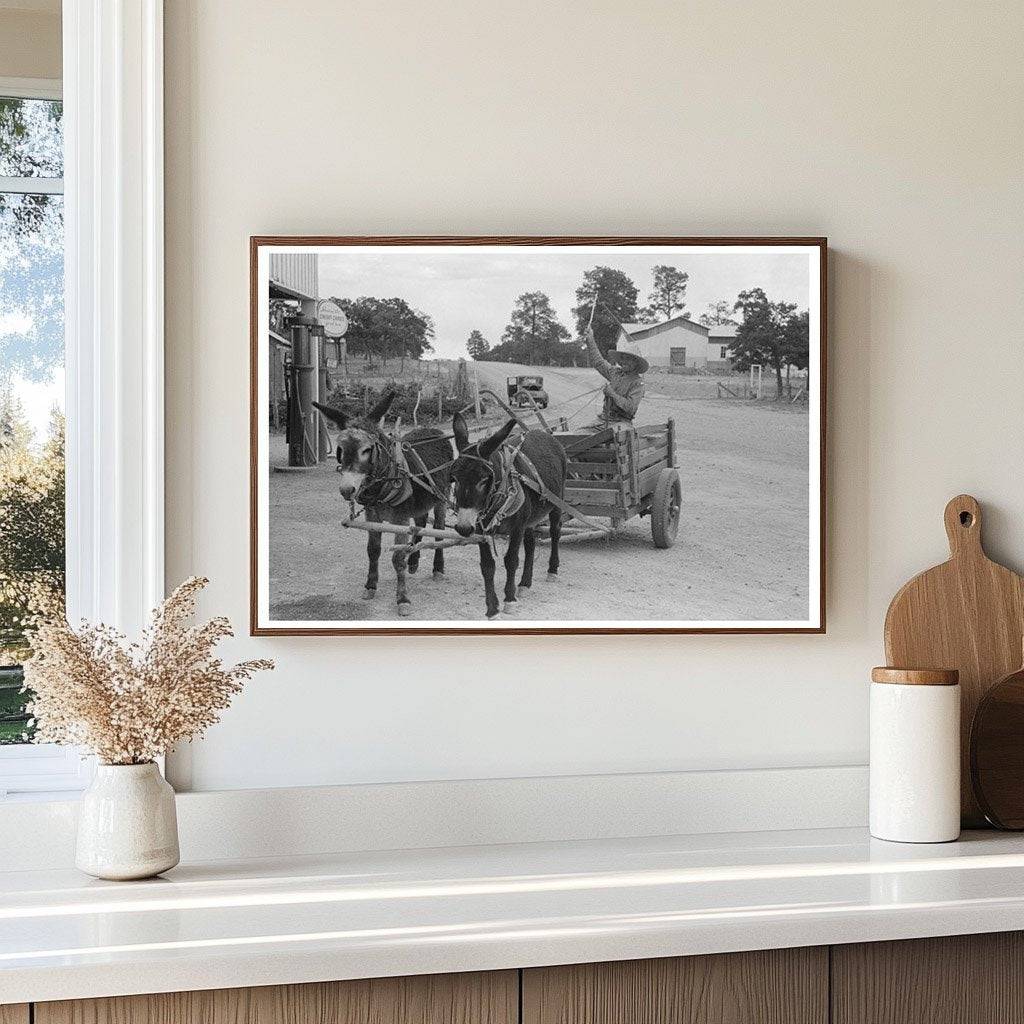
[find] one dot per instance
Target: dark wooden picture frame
(259, 420)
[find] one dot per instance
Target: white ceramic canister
(915, 755)
(127, 824)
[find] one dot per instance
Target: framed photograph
(537, 435)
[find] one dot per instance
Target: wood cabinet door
(778, 986)
(961, 979)
(14, 1013)
(481, 998)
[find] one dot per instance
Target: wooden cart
(618, 474)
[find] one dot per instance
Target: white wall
(895, 129)
(657, 347)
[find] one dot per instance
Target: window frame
(114, 309)
(112, 90)
(31, 89)
(37, 768)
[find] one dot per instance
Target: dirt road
(741, 554)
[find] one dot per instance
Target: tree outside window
(31, 386)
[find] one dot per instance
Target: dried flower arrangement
(129, 703)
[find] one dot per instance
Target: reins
(393, 474)
(556, 406)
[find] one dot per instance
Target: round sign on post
(332, 318)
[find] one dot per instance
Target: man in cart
(623, 370)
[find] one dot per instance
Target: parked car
(522, 389)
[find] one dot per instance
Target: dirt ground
(741, 552)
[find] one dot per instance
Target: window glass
(31, 138)
(31, 387)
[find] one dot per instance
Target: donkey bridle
(501, 482)
(381, 454)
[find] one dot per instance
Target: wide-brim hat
(625, 354)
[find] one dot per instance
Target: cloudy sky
(474, 288)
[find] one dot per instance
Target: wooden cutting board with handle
(967, 614)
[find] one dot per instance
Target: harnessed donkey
(499, 489)
(396, 481)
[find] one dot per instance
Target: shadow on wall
(853, 287)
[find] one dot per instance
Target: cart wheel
(668, 496)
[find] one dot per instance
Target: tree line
(386, 329)
(31, 524)
(769, 333)
(534, 334)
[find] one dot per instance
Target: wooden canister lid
(916, 676)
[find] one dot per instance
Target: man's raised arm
(601, 364)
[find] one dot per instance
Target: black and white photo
(537, 435)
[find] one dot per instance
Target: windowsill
(354, 915)
(31, 773)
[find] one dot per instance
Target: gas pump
(303, 420)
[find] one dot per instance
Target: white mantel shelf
(264, 922)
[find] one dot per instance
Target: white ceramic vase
(127, 825)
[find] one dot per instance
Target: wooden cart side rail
(652, 457)
(627, 469)
(654, 428)
(657, 445)
(600, 436)
(648, 480)
(538, 488)
(575, 443)
(607, 459)
(607, 434)
(613, 513)
(646, 443)
(603, 469)
(593, 496)
(606, 484)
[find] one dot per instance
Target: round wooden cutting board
(997, 752)
(967, 614)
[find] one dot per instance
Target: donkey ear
(460, 432)
(377, 412)
(336, 416)
(489, 445)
